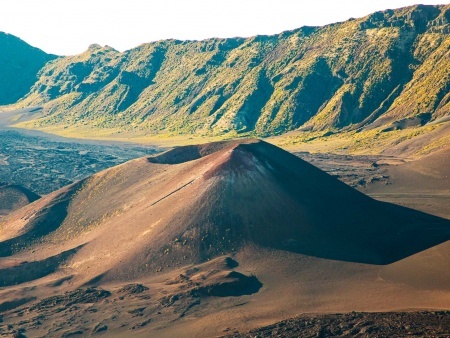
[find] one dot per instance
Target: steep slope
(242, 219)
(387, 69)
(13, 197)
(19, 66)
(228, 195)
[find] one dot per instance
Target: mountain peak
(97, 47)
(94, 46)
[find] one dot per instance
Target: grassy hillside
(387, 71)
(19, 66)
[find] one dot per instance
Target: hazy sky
(69, 26)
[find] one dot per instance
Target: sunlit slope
(389, 70)
(195, 203)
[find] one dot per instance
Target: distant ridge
(19, 66)
(389, 70)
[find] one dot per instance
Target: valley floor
(422, 184)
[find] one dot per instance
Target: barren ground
(103, 287)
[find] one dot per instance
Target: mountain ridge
(386, 71)
(19, 66)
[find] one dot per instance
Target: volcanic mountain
(239, 218)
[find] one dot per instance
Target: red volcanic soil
(199, 238)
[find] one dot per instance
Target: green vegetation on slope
(389, 69)
(19, 66)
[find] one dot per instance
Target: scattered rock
(89, 295)
(100, 328)
(133, 289)
(387, 324)
(71, 333)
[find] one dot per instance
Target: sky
(67, 27)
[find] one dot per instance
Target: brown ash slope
(192, 204)
(235, 233)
